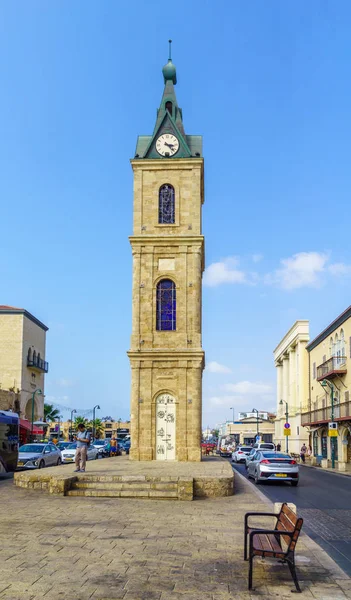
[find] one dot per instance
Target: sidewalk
(328, 470)
(103, 549)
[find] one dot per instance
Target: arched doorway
(165, 427)
(28, 410)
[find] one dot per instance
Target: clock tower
(166, 353)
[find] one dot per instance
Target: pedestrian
(279, 447)
(303, 452)
(113, 446)
(83, 441)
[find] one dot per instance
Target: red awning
(25, 424)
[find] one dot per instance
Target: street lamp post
(71, 432)
(256, 411)
(286, 421)
(232, 408)
(39, 392)
(324, 384)
(97, 406)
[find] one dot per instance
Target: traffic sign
(332, 425)
(333, 433)
(287, 425)
(287, 431)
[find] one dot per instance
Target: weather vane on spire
(170, 49)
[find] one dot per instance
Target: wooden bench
(269, 542)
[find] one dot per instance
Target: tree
(78, 421)
(50, 413)
(98, 427)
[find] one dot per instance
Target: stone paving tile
(106, 549)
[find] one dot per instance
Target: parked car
(38, 456)
(224, 451)
(249, 456)
(273, 466)
(264, 446)
(125, 446)
(69, 454)
(62, 445)
(239, 454)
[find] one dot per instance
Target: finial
(170, 49)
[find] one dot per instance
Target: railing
(335, 364)
(320, 415)
(38, 363)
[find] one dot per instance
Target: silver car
(38, 456)
(273, 466)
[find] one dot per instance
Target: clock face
(167, 144)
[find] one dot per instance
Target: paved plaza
(81, 548)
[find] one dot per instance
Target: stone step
(119, 485)
(128, 493)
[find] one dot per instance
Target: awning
(25, 424)
(313, 429)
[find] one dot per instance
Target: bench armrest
(258, 514)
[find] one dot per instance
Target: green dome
(169, 72)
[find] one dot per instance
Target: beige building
(111, 428)
(246, 430)
(291, 362)
(328, 397)
(22, 361)
(166, 353)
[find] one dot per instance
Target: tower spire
(169, 70)
(170, 50)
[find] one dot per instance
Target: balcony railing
(38, 364)
(342, 410)
(336, 365)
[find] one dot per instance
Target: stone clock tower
(166, 353)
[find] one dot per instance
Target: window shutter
(347, 396)
(324, 358)
(314, 370)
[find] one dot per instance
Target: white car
(69, 453)
(239, 454)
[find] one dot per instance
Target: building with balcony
(328, 397)
(22, 362)
(291, 362)
(251, 424)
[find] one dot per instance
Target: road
(323, 500)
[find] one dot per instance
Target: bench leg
(250, 571)
(245, 545)
(292, 569)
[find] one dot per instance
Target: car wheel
(41, 464)
(59, 461)
(257, 481)
(294, 483)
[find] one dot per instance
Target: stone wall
(9, 401)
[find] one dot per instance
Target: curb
(341, 473)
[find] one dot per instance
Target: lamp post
(71, 432)
(286, 421)
(97, 406)
(256, 411)
(232, 408)
(39, 392)
(324, 384)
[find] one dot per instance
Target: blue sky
(267, 85)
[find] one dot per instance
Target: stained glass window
(166, 306)
(166, 212)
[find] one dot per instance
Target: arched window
(34, 357)
(169, 107)
(166, 211)
(331, 347)
(29, 357)
(166, 305)
(342, 343)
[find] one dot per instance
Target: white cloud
(224, 272)
(339, 269)
(257, 258)
(64, 382)
(215, 367)
(300, 270)
(247, 388)
(222, 400)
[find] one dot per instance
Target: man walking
(83, 441)
(303, 452)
